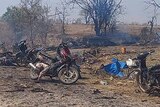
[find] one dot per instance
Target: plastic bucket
(123, 50)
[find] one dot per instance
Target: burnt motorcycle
(23, 59)
(148, 79)
(68, 72)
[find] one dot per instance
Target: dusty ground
(17, 90)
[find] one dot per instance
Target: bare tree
(32, 10)
(62, 14)
(86, 16)
(6, 34)
(112, 27)
(44, 24)
(151, 23)
(39, 19)
(155, 5)
(30, 19)
(144, 35)
(100, 11)
(13, 17)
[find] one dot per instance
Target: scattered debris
(96, 82)
(120, 83)
(137, 91)
(115, 67)
(40, 90)
(111, 78)
(8, 76)
(96, 91)
(18, 88)
(108, 98)
(144, 100)
(103, 83)
(7, 61)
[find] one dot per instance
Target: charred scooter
(148, 79)
(25, 56)
(68, 72)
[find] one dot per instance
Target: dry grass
(79, 30)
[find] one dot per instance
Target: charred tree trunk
(97, 29)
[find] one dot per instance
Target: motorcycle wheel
(68, 76)
(33, 74)
(132, 75)
(78, 69)
(142, 83)
(21, 62)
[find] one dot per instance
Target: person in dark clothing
(22, 46)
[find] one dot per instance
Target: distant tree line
(31, 19)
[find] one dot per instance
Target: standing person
(23, 46)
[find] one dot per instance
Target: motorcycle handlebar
(150, 52)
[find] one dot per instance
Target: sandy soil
(18, 90)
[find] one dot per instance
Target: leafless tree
(44, 24)
(151, 23)
(32, 10)
(62, 14)
(100, 11)
(31, 19)
(155, 5)
(39, 19)
(6, 35)
(86, 16)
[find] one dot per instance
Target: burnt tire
(68, 76)
(21, 62)
(142, 84)
(78, 68)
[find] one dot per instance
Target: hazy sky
(135, 10)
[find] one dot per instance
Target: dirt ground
(18, 90)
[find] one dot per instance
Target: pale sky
(134, 10)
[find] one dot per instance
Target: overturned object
(115, 67)
(7, 61)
